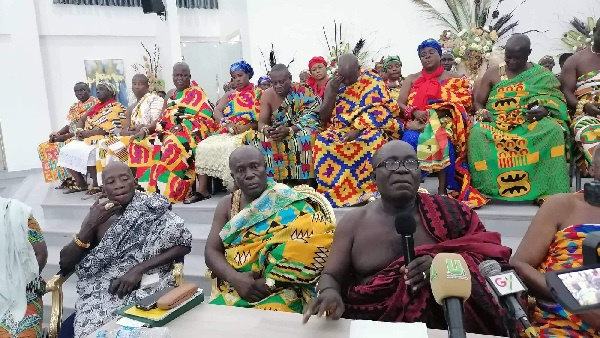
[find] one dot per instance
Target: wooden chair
(55, 285)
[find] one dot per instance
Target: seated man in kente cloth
(48, 151)
(517, 151)
(360, 117)
(131, 235)
(268, 243)
(554, 242)
(163, 155)
(138, 118)
(79, 155)
(288, 123)
(435, 103)
(580, 79)
(366, 281)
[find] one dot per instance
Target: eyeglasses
(393, 165)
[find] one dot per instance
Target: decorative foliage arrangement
(474, 46)
(151, 68)
(340, 47)
(580, 37)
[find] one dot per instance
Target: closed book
(157, 317)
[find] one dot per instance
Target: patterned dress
(31, 325)
(48, 152)
(291, 159)
(565, 252)
(587, 128)
(114, 148)
(512, 159)
(343, 169)
(443, 143)
(79, 155)
(164, 161)
(212, 155)
(285, 237)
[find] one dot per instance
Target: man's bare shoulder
(559, 202)
(354, 217)
(224, 206)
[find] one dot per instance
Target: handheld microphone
(506, 285)
(451, 286)
(406, 226)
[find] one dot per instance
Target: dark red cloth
(312, 83)
(456, 228)
(98, 107)
(315, 60)
(427, 87)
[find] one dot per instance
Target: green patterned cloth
(512, 159)
(281, 236)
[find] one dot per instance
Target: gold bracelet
(580, 105)
(80, 243)
(479, 114)
(146, 131)
(291, 132)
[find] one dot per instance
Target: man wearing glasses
(366, 276)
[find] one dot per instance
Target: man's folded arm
(166, 257)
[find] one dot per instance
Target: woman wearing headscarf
(23, 253)
(79, 155)
(264, 82)
(318, 75)
(236, 114)
(434, 105)
(392, 67)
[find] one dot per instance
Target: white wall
(390, 27)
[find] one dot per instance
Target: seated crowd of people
(359, 140)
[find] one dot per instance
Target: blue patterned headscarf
(262, 79)
(243, 66)
(430, 43)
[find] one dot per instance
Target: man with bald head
(360, 117)
(517, 150)
(580, 80)
(268, 242)
(373, 282)
(138, 118)
(287, 126)
(48, 151)
(162, 153)
(127, 236)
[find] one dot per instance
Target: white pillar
(25, 116)
(169, 40)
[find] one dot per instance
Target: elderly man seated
(268, 242)
(366, 281)
(360, 117)
(79, 155)
(131, 235)
(517, 152)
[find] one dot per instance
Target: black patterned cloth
(146, 229)
(205, 4)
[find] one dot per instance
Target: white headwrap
(17, 260)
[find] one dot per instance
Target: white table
(215, 321)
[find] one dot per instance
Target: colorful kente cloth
(146, 229)
(114, 148)
(587, 128)
(565, 252)
(212, 155)
(343, 169)
(79, 155)
(31, 324)
(512, 159)
(48, 152)
(456, 228)
(164, 161)
(285, 237)
(291, 159)
(443, 143)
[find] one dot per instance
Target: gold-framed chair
(55, 286)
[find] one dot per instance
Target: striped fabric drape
(206, 4)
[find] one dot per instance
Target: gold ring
(109, 206)
(327, 313)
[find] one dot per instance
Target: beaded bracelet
(80, 243)
(580, 105)
(408, 112)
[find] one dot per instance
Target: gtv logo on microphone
(507, 283)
